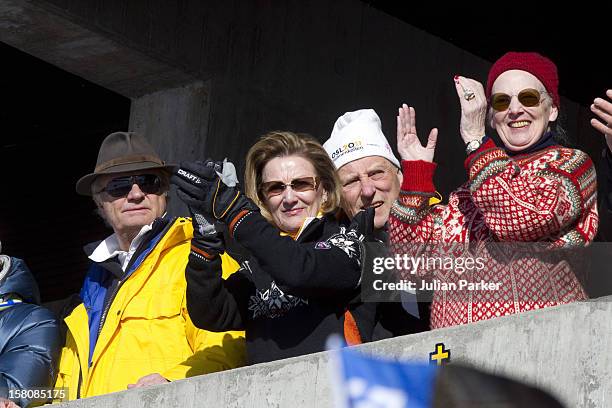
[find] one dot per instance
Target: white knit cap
(358, 134)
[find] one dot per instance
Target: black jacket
(391, 318)
(290, 295)
(29, 334)
(608, 179)
(604, 196)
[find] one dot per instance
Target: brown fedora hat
(122, 152)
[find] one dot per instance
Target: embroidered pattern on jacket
(348, 242)
(273, 302)
(549, 196)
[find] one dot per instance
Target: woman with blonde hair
(302, 280)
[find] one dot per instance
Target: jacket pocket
(152, 305)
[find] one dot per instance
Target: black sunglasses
(527, 97)
(121, 186)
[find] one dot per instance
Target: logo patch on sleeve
(322, 245)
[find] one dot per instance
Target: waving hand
(408, 144)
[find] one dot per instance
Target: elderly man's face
(131, 212)
(370, 182)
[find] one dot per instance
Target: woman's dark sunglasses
(299, 185)
(121, 186)
(527, 97)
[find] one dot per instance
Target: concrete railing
(564, 350)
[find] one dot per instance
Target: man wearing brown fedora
(131, 327)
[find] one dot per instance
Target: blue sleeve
(30, 356)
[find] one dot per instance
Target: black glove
(207, 243)
(363, 222)
(195, 181)
(201, 187)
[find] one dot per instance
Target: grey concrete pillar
(176, 122)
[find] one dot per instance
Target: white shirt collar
(110, 247)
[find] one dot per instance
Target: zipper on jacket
(137, 253)
(106, 309)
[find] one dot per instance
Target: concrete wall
(564, 350)
(71, 43)
(176, 121)
(208, 77)
(294, 65)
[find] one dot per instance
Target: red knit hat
(537, 65)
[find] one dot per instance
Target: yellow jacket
(147, 329)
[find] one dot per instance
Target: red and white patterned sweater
(548, 196)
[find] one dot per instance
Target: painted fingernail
(456, 78)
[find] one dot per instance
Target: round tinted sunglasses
(121, 186)
(299, 185)
(527, 97)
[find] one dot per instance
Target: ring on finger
(468, 94)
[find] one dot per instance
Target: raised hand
(603, 109)
(195, 182)
(473, 108)
(210, 188)
(409, 146)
